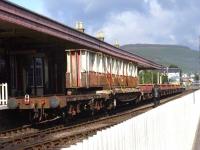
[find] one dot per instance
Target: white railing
(168, 127)
(3, 94)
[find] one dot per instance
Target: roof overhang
(19, 16)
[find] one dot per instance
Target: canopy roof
(23, 28)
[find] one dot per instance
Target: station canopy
(21, 29)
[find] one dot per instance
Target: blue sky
(130, 21)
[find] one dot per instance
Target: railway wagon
(165, 90)
(89, 69)
(46, 80)
(94, 81)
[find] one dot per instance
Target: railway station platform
(174, 125)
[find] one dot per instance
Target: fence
(169, 127)
(3, 94)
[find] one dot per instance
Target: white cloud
(134, 27)
(130, 21)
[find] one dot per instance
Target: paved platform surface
(196, 144)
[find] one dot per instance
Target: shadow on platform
(196, 143)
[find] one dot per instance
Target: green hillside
(184, 57)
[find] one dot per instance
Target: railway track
(61, 135)
(64, 134)
(24, 130)
(16, 131)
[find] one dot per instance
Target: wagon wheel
(30, 117)
(33, 115)
(65, 116)
(138, 99)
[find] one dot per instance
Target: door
(35, 77)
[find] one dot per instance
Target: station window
(13, 71)
(2, 70)
(35, 73)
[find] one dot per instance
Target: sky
(128, 21)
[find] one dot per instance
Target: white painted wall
(93, 61)
(3, 94)
(169, 127)
(121, 68)
(68, 62)
(83, 61)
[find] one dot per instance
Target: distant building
(174, 75)
(187, 79)
(192, 75)
(184, 75)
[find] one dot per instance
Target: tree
(196, 77)
(173, 66)
(164, 79)
(148, 77)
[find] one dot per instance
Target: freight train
(50, 69)
(94, 81)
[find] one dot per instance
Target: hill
(184, 57)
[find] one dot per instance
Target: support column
(152, 77)
(158, 77)
(142, 77)
(161, 79)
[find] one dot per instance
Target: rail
(3, 94)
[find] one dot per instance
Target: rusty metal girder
(22, 17)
